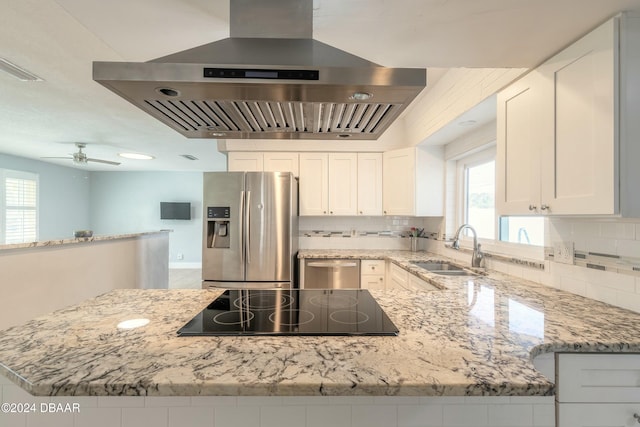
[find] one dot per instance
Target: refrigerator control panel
(218, 212)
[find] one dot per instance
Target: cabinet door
(245, 162)
(579, 164)
(520, 126)
(372, 281)
(370, 184)
(281, 162)
(343, 183)
(418, 284)
(597, 415)
(314, 184)
(399, 182)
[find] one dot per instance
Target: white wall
(124, 202)
(63, 198)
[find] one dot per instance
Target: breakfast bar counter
(475, 337)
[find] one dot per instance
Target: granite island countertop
(475, 337)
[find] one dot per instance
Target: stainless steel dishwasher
(330, 274)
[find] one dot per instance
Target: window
(19, 204)
(477, 172)
(478, 193)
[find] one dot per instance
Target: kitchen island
(475, 337)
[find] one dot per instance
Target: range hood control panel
(240, 73)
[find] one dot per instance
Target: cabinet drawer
(598, 378)
(371, 266)
(598, 415)
(372, 281)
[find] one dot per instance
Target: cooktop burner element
(291, 312)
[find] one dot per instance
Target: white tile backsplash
(306, 411)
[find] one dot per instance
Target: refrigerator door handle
(241, 228)
(248, 227)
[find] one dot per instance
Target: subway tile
(534, 400)
(602, 293)
(510, 415)
(420, 415)
(165, 402)
(574, 286)
(618, 230)
(83, 401)
(50, 419)
(144, 417)
(98, 417)
(629, 301)
(637, 232)
(602, 246)
(214, 401)
(585, 228)
(14, 394)
(629, 248)
(323, 416)
(396, 400)
(5, 381)
(374, 416)
(248, 416)
(12, 420)
(283, 416)
(191, 417)
(306, 400)
(544, 415)
(443, 400)
(465, 415)
(350, 400)
(120, 401)
(259, 400)
(488, 400)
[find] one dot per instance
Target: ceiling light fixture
(18, 72)
(189, 156)
(136, 156)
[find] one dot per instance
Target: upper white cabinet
(240, 161)
(281, 162)
(565, 140)
(370, 184)
(314, 184)
(343, 184)
(254, 161)
(413, 181)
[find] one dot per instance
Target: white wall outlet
(563, 252)
(180, 256)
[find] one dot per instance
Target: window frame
(17, 174)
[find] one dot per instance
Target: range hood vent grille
(234, 118)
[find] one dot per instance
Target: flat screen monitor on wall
(175, 210)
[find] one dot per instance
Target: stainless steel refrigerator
(250, 230)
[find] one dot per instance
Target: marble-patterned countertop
(75, 240)
(475, 337)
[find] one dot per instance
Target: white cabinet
(314, 184)
(597, 389)
(262, 161)
(370, 184)
(566, 137)
(343, 184)
(238, 161)
(328, 183)
(398, 278)
(413, 181)
(372, 274)
(281, 162)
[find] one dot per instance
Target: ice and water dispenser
(218, 227)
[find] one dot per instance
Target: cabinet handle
(324, 212)
(385, 212)
(360, 212)
(331, 212)
(533, 207)
(545, 207)
(637, 417)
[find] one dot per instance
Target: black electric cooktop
(291, 312)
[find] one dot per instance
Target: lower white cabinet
(418, 284)
(372, 274)
(597, 390)
(399, 278)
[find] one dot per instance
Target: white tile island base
(276, 411)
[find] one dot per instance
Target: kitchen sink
(443, 268)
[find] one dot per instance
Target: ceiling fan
(81, 157)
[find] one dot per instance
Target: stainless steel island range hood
(269, 80)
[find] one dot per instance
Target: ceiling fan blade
(66, 158)
(107, 162)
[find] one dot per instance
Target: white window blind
(20, 207)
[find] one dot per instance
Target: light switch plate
(563, 252)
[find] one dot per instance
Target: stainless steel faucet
(477, 257)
